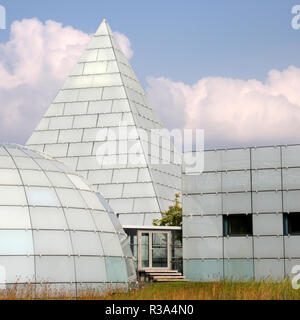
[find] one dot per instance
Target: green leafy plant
(172, 217)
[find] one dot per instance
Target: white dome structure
(55, 230)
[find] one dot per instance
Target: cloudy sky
(229, 67)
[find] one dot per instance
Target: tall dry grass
(265, 290)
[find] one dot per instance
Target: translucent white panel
(79, 219)
(47, 164)
(90, 269)
(70, 198)
(206, 204)
(236, 181)
(266, 180)
(92, 200)
(89, 55)
(96, 107)
(212, 160)
(121, 106)
(114, 93)
(125, 175)
(75, 108)
(291, 178)
(90, 94)
(236, 159)
(104, 80)
(100, 176)
(56, 150)
(70, 135)
(86, 243)
(55, 269)
(145, 205)
(144, 175)
(148, 218)
(52, 243)
(116, 270)
(48, 218)
(110, 120)
(9, 177)
(80, 149)
(203, 270)
(97, 134)
(135, 219)
(14, 218)
(206, 248)
(88, 163)
(269, 269)
(291, 201)
(95, 67)
(268, 247)
(14, 196)
(85, 121)
(267, 202)
(6, 162)
(14, 242)
(122, 205)
(195, 226)
(61, 123)
(41, 197)
(41, 137)
(291, 156)
(78, 182)
(34, 178)
(106, 54)
(70, 162)
(112, 191)
(237, 203)
(26, 163)
(59, 179)
(205, 182)
(238, 269)
(138, 190)
(292, 248)
(18, 269)
(55, 110)
(266, 157)
(100, 42)
(111, 244)
(267, 224)
(103, 221)
(238, 247)
(3, 152)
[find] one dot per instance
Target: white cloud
(233, 112)
(33, 65)
(124, 43)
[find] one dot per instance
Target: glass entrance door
(154, 250)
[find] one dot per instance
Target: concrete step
(162, 277)
(171, 280)
(164, 274)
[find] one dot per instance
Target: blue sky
(184, 40)
(195, 58)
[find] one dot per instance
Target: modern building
(241, 214)
(56, 230)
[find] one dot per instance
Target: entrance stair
(165, 276)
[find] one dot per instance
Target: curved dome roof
(55, 229)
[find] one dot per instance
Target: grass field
(175, 291)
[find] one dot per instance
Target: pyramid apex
(104, 28)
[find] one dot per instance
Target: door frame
(169, 247)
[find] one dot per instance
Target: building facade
(241, 215)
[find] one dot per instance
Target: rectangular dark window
(237, 225)
(291, 223)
